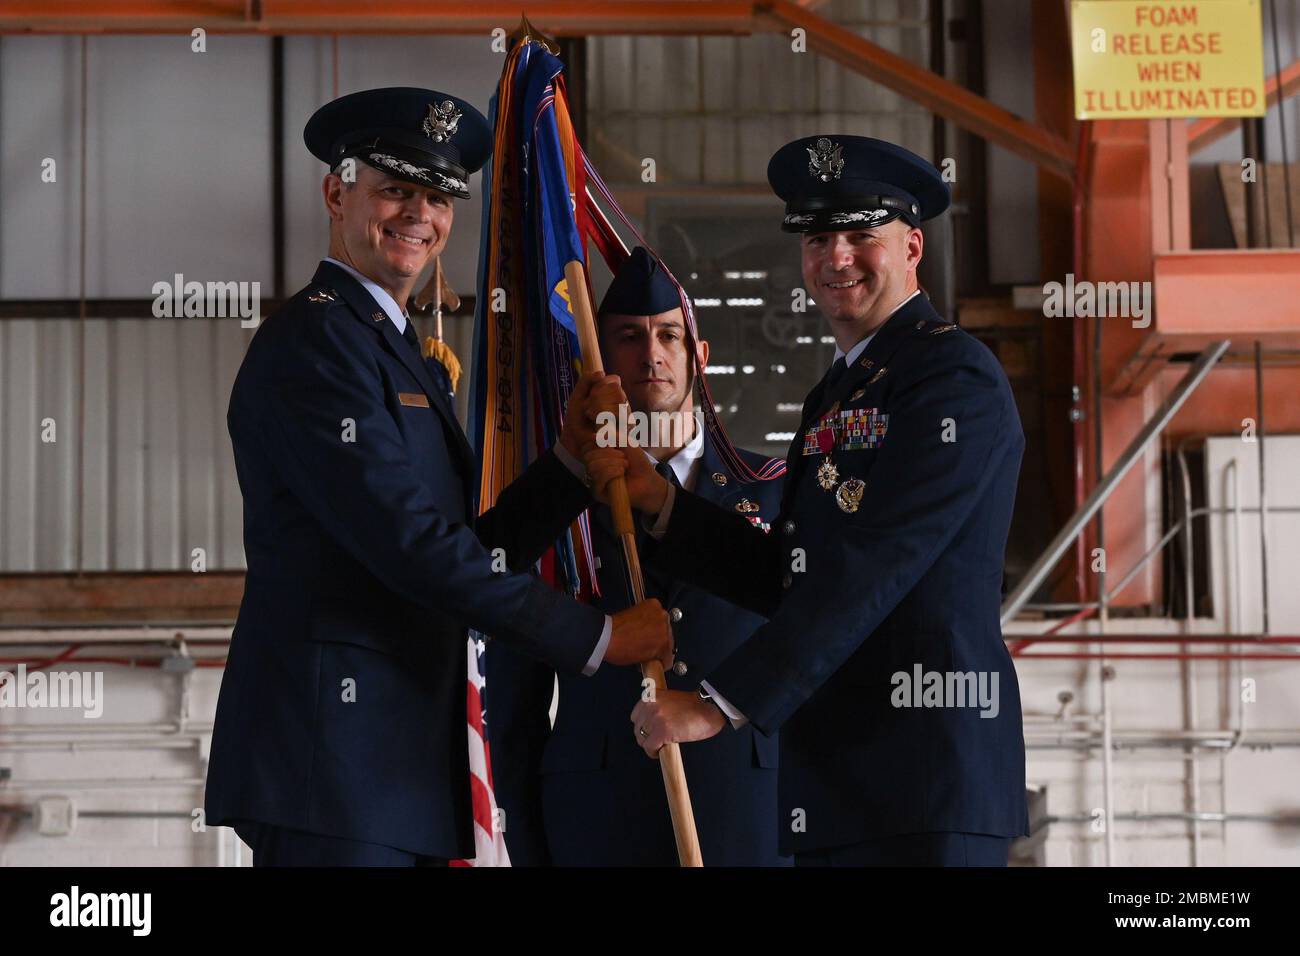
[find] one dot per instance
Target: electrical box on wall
(55, 816)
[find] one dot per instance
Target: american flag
(489, 835)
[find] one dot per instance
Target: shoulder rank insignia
(946, 327)
(849, 496)
(878, 376)
(746, 507)
(719, 479)
(323, 295)
(824, 160)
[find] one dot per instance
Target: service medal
(828, 475)
(849, 495)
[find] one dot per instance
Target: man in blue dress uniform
(882, 663)
(582, 793)
(340, 733)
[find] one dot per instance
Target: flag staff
(670, 757)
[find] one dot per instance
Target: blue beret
(641, 287)
(834, 183)
(421, 136)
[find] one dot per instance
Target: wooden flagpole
(670, 757)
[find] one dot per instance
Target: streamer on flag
(540, 212)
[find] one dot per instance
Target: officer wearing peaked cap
(581, 793)
(882, 662)
(340, 729)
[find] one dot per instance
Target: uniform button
(679, 668)
(788, 527)
(787, 580)
(675, 615)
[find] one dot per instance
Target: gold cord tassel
(439, 294)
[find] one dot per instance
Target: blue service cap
(421, 136)
(640, 287)
(834, 183)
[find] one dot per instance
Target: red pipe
(1172, 639)
(1294, 658)
(1080, 346)
(1059, 625)
(34, 663)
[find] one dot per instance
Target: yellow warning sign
(1135, 60)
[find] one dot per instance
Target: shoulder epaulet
(322, 296)
(926, 327)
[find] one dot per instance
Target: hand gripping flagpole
(670, 756)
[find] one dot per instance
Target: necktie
(665, 469)
(817, 397)
(836, 374)
(409, 334)
(658, 584)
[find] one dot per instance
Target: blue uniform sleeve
(336, 445)
(721, 552)
(533, 511)
(920, 492)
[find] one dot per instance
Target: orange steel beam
(1249, 292)
(1203, 132)
(554, 17)
(968, 110)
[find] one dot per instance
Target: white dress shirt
(378, 293)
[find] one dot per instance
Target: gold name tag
(414, 399)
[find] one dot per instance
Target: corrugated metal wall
(156, 474)
(714, 109)
(178, 180)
